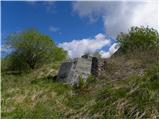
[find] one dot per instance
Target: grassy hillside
(128, 89)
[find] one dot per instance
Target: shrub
(141, 38)
(31, 49)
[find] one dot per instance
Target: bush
(31, 49)
(141, 38)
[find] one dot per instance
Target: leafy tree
(60, 54)
(31, 49)
(141, 38)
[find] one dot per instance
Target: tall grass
(120, 93)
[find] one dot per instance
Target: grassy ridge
(128, 89)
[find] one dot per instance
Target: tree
(31, 49)
(141, 38)
(60, 54)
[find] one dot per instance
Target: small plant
(90, 79)
(82, 86)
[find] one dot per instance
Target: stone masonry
(98, 66)
(70, 71)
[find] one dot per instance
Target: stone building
(98, 66)
(70, 71)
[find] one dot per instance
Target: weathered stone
(98, 66)
(70, 71)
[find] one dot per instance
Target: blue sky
(55, 19)
(78, 27)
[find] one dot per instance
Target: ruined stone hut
(71, 70)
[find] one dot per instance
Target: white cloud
(77, 48)
(119, 16)
(53, 29)
(111, 51)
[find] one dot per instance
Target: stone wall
(71, 71)
(94, 69)
(98, 66)
(64, 71)
(84, 67)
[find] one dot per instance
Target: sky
(78, 26)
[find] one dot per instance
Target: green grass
(37, 98)
(136, 97)
(38, 95)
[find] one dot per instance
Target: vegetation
(136, 97)
(83, 85)
(139, 38)
(31, 49)
(129, 88)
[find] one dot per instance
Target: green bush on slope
(141, 38)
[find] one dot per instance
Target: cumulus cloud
(119, 16)
(111, 51)
(77, 48)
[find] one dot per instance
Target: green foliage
(90, 79)
(80, 86)
(141, 38)
(31, 49)
(83, 84)
(4, 64)
(60, 54)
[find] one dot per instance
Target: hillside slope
(128, 89)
